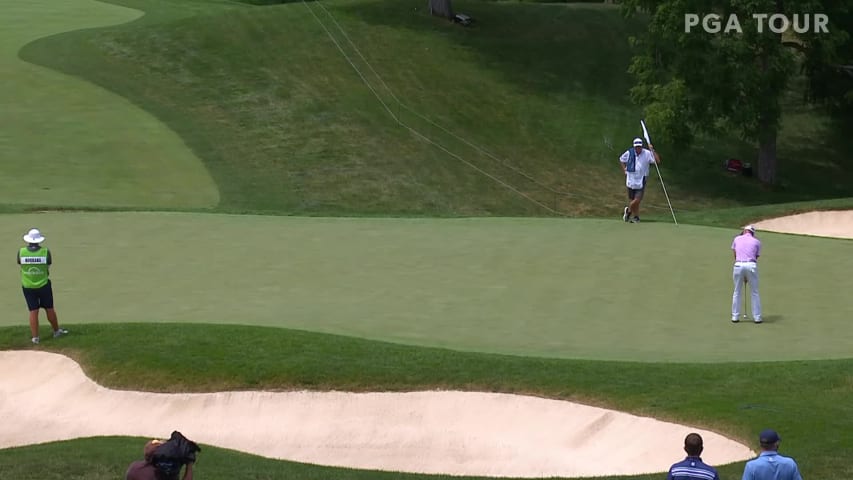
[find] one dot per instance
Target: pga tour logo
(776, 23)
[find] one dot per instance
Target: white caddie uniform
(634, 180)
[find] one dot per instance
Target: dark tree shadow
(580, 49)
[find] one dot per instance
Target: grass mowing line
(74, 143)
(595, 289)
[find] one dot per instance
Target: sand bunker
(837, 223)
(46, 397)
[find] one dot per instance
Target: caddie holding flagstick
(635, 164)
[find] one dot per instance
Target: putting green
(595, 289)
(68, 142)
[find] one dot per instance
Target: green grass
(206, 101)
(583, 288)
(105, 458)
(72, 142)
(804, 400)
(283, 128)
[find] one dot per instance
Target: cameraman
(147, 470)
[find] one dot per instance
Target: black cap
(768, 437)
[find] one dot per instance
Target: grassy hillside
(285, 124)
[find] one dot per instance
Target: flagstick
(657, 169)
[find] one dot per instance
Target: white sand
(837, 223)
(46, 397)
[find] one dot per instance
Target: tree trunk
(441, 8)
(767, 128)
(767, 157)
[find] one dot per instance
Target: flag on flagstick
(645, 132)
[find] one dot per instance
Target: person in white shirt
(635, 164)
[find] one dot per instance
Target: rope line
(331, 37)
(436, 144)
(411, 129)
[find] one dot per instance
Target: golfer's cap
(750, 228)
(768, 437)
(638, 142)
(34, 236)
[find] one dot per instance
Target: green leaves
(698, 74)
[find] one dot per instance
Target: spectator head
(769, 439)
(149, 448)
(693, 444)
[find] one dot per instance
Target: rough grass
(284, 128)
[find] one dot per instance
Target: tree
(732, 75)
(830, 67)
(441, 8)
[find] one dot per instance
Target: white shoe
(758, 320)
(735, 319)
(60, 332)
(625, 214)
(35, 340)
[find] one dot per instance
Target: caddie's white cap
(34, 236)
(638, 142)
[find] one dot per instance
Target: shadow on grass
(772, 318)
(811, 163)
(520, 41)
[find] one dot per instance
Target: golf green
(68, 142)
(591, 289)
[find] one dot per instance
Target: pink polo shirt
(747, 248)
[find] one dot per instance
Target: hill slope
(274, 102)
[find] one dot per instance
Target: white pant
(746, 271)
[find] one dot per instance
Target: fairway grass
(583, 288)
(69, 142)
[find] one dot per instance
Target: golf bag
(173, 454)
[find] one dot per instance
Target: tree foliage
(830, 64)
(701, 81)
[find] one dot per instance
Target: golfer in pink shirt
(746, 249)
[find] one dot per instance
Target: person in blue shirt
(769, 465)
(692, 467)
